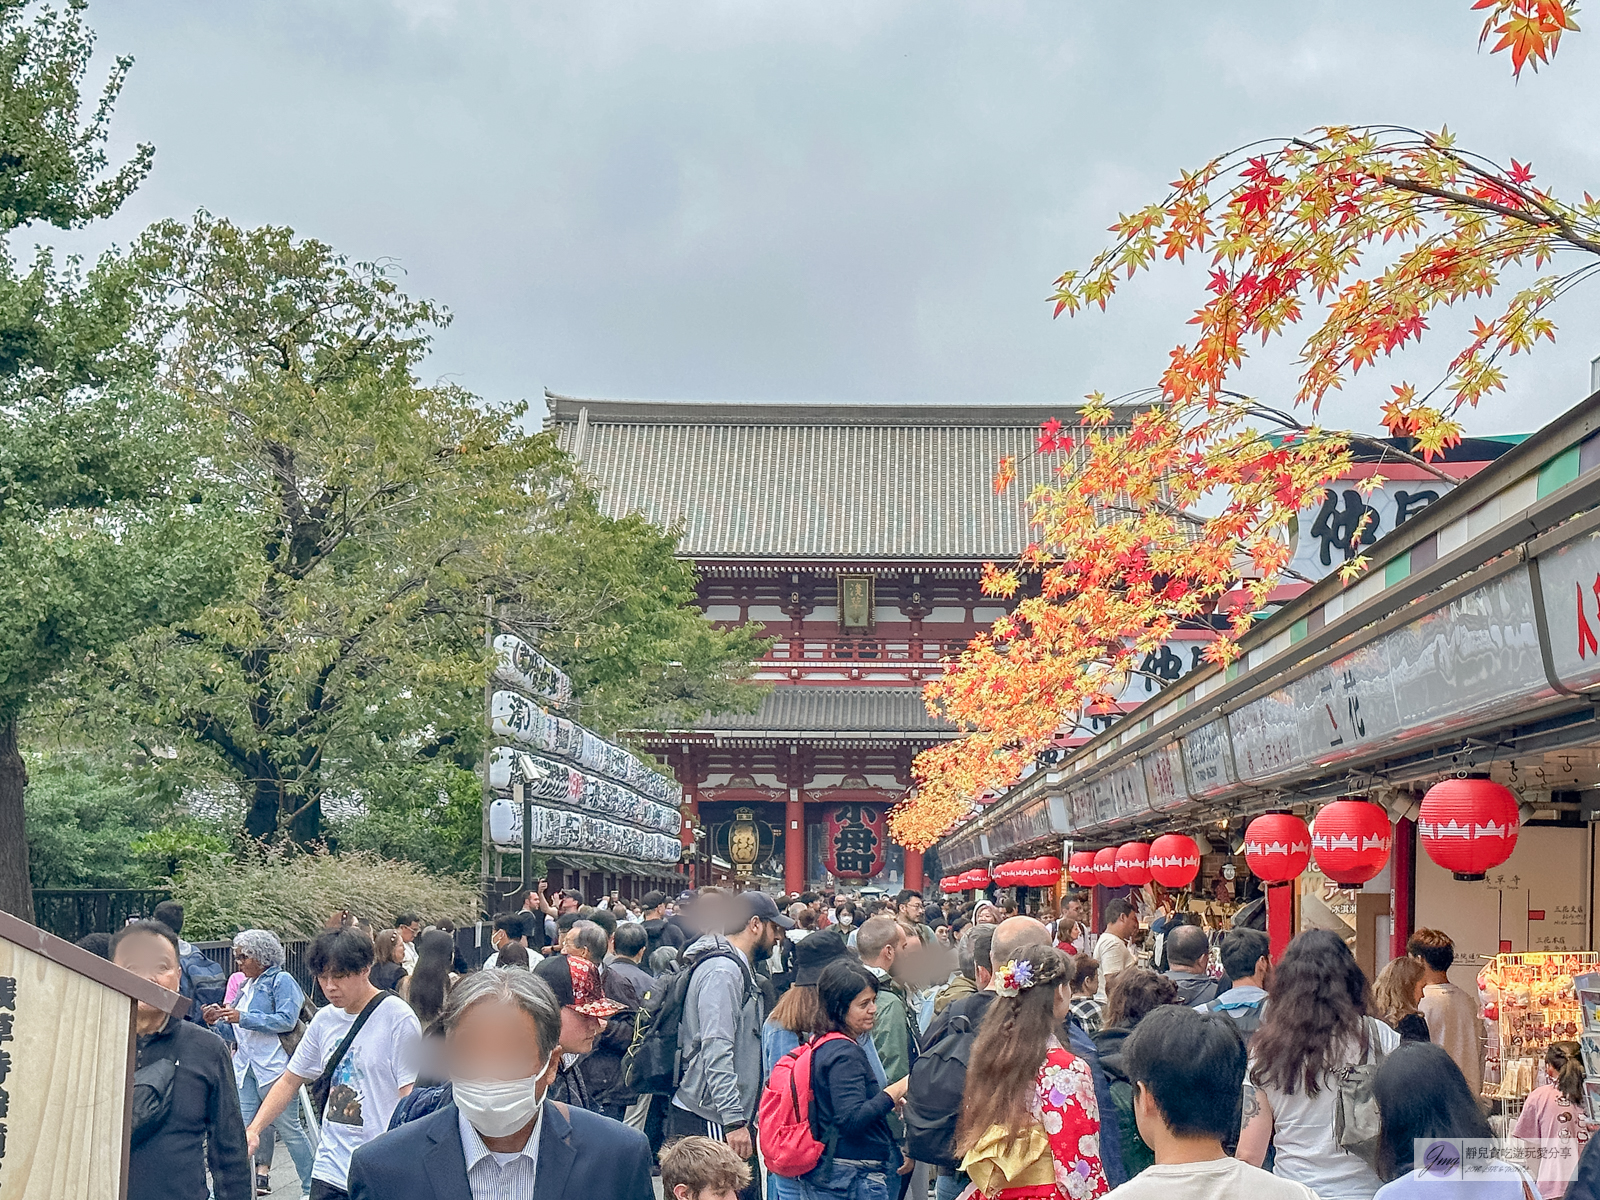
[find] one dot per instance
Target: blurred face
(345, 991)
(149, 956)
(250, 968)
(914, 909)
(863, 1012)
(1072, 910)
(495, 1039)
(578, 1031)
(408, 933)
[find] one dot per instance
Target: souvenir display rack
(1528, 1001)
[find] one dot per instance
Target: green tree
(350, 660)
(90, 499)
(617, 611)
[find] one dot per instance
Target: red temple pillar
(794, 827)
(914, 879)
(794, 843)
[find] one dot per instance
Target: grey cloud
(814, 199)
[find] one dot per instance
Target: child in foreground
(700, 1168)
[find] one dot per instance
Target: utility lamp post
(525, 769)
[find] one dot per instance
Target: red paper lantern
(1174, 860)
(1105, 867)
(1277, 847)
(950, 883)
(1047, 872)
(1468, 826)
(857, 838)
(1133, 863)
(1008, 874)
(980, 877)
(1350, 840)
(1081, 867)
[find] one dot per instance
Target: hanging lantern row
(950, 883)
(1467, 826)
(1030, 872)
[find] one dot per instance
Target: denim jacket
(274, 1008)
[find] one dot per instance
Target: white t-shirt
(1114, 955)
(1302, 1133)
(367, 1081)
(1220, 1179)
(1496, 1181)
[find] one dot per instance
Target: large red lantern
(856, 841)
(1468, 826)
(1081, 867)
(950, 883)
(1105, 867)
(1277, 847)
(1046, 872)
(1133, 863)
(1174, 860)
(978, 877)
(1008, 874)
(1350, 840)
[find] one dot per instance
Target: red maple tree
(1359, 234)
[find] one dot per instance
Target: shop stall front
(1416, 749)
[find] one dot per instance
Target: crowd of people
(826, 1048)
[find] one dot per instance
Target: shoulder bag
(1356, 1120)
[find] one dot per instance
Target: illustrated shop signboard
(1570, 576)
(1208, 760)
(1473, 658)
(1163, 777)
(856, 840)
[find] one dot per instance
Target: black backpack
(938, 1077)
(653, 1064)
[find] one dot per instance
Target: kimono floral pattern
(1065, 1107)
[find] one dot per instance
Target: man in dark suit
(501, 1138)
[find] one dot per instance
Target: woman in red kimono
(1030, 1126)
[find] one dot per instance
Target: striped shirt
(493, 1176)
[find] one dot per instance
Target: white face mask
(498, 1107)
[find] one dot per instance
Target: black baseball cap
(814, 952)
(764, 906)
(652, 900)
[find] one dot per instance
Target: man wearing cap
(720, 1035)
(584, 1009)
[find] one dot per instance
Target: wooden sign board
(67, 1052)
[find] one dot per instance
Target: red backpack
(789, 1145)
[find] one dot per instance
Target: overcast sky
(760, 200)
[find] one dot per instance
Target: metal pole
(519, 791)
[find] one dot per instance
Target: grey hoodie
(720, 1038)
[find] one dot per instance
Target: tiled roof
(816, 481)
(803, 708)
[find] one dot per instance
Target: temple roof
(800, 709)
(814, 481)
